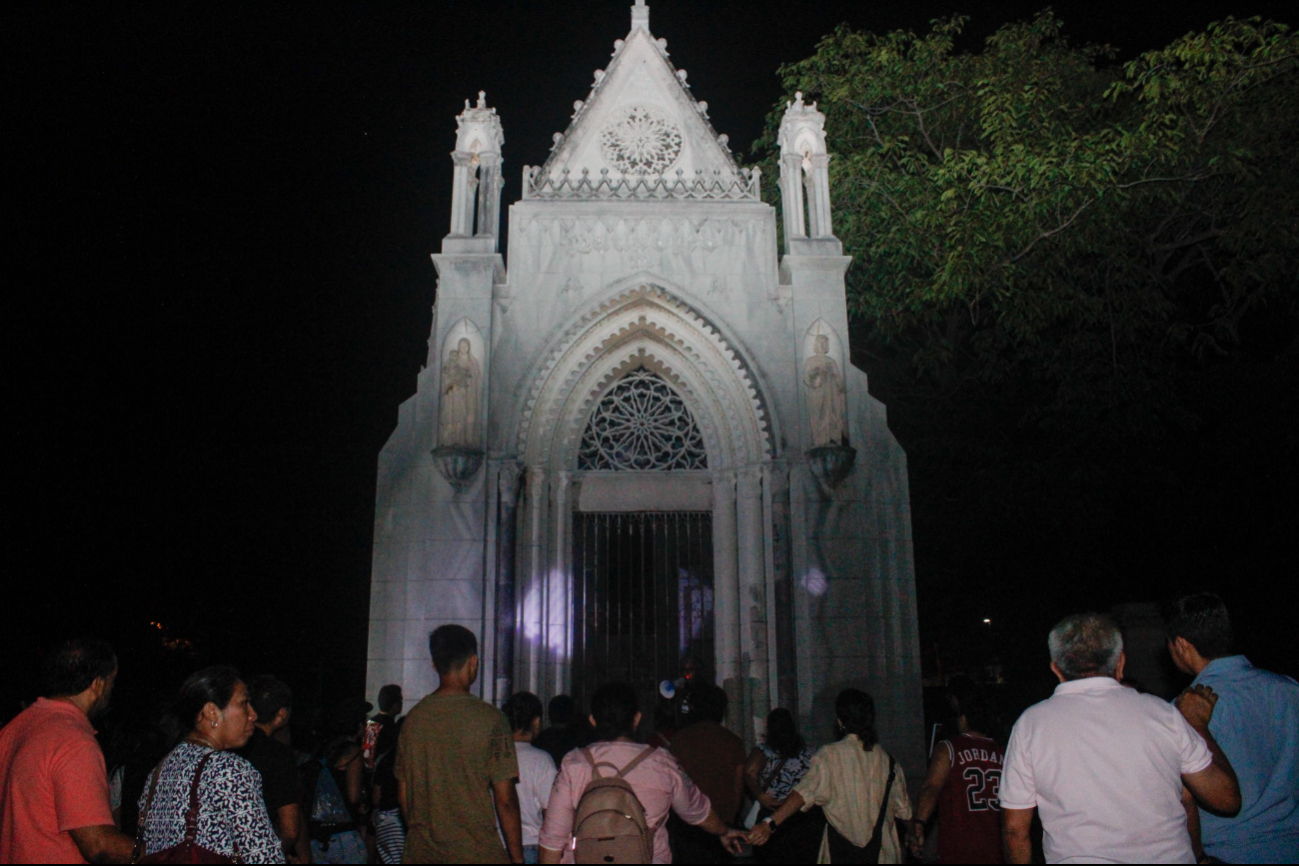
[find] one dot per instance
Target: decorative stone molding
(458, 465)
(744, 185)
(640, 140)
(509, 482)
(642, 424)
(830, 464)
(644, 326)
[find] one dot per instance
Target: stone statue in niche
(461, 377)
(826, 390)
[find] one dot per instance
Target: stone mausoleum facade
(643, 440)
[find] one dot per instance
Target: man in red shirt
(962, 786)
(53, 785)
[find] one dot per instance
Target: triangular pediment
(640, 122)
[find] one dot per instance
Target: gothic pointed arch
(644, 327)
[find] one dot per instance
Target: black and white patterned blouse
(232, 817)
(780, 775)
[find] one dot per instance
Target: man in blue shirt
(1256, 722)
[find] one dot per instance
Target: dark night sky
(220, 222)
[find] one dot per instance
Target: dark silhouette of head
(451, 647)
(708, 703)
(269, 695)
(75, 665)
(85, 667)
(614, 710)
(855, 711)
(389, 697)
(1202, 621)
(983, 716)
(782, 733)
(522, 709)
(560, 710)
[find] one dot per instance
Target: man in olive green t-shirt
(456, 766)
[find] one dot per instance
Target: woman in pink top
(658, 780)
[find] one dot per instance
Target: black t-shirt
(281, 785)
(387, 733)
(560, 741)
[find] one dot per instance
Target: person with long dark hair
(774, 767)
(859, 786)
(202, 794)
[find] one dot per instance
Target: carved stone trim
(627, 328)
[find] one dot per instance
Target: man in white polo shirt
(1105, 765)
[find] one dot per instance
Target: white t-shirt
(1103, 764)
(536, 778)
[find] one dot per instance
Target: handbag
(188, 851)
(843, 851)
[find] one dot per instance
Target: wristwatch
(770, 821)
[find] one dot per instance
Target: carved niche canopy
(642, 424)
(640, 140)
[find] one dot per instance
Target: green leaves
(1028, 214)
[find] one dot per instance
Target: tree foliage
(1036, 217)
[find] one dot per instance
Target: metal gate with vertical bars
(642, 598)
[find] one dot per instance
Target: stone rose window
(642, 424)
(641, 141)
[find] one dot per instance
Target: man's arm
(103, 843)
(1193, 824)
(507, 812)
(1016, 838)
(1215, 786)
(401, 799)
(288, 821)
(940, 767)
(302, 848)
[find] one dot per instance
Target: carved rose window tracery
(642, 424)
(641, 141)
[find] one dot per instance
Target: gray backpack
(610, 825)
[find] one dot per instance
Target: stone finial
(478, 129)
(802, 129)
(640, 16)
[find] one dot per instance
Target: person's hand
(733, 841)
(760, 833)
(915, 838)
(1196, 704)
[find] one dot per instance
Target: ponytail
(855, 711)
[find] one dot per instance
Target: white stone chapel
(643, 440)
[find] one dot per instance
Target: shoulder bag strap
(138, 851)
(635, 762)
(884, 806)
(191, 817)
(769, 776)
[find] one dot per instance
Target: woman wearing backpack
(611, 799)
(857, 783)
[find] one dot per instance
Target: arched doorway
(645, 440)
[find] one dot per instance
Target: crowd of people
(1098, 772)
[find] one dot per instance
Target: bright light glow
(987, 622)
(814, 582)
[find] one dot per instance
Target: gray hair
(1086, 645)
